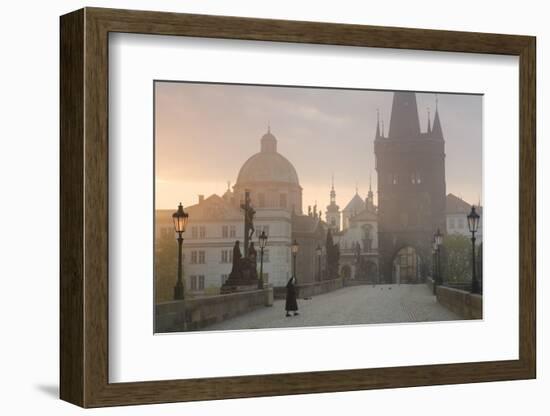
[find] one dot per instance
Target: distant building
(358, 239)
(411, 191)
(456, 214)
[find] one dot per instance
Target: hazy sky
(205, 132)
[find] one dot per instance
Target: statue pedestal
(244, 278)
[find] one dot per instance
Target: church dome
(268, 165)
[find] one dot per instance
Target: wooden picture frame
(84, 207)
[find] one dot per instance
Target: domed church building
(216, 222)
(271, 179)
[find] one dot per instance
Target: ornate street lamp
(319, 252)
(473, 224)
(294, 248)
(180, 218)
(262, 243)
(434, 263)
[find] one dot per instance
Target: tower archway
(406, 266)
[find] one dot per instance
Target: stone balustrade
(196, 313)
(465, 304)
(308, 290)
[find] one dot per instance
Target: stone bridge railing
(196, 313)
(308, 290)
(465, 304)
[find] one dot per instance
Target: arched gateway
(406, 266)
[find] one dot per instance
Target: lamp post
(294, 252)
(473, 224)
(434, 262)
(180, 218)
(319, 252)
(262, 243)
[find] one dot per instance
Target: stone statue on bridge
(244, 275)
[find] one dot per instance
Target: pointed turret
(404, 123)
(437, 131)
(377, 124)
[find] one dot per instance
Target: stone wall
(461, 302)
(307, 290)
(197, 313)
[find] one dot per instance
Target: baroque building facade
(358, 240)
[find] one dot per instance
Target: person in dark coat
(291, 303)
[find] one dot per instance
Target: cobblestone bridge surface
(349, 305)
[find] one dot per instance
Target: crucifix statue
(248, 220)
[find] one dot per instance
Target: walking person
(291, 304)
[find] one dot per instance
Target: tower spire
(429, 129)
(377, 123)
(404, 123)
(437, 131)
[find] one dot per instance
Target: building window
(193, 257)
(202, 232)
(193, 282)
(266, 255)
(451, 223)
(461, 223)
(225, 231)
(201, 282)
(232, 231)
(393, 178)
(282, 200)
(415, 178)
(194, 232)
(226, 256)
(224, 278)
(261, 200)
(202, 257)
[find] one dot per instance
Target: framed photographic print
(255, 207)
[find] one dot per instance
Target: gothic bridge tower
(411, 191)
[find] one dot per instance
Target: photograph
(297, 206)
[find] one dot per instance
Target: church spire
(429, 128)
(404, 123)
(332, 192)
